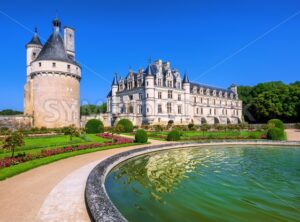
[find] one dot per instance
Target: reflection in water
(209, 184)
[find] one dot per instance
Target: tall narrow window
(179, 109)
(169, 107)
(179, 97)
(159, 95)
(170, 96)
(53, 64)
(159, 109)
(195, 99)
(140, 96)
(197, 110)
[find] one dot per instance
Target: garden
(21, 152)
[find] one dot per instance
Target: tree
(103, 108)
(72, 131)
(13, 140)
(271, 100)
(9, 112)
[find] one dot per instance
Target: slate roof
(210, 87)
(35, 40)
(185, 79)
(54, 49)
(115, 81)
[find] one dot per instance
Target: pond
(245, 183)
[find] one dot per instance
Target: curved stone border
(98, 203)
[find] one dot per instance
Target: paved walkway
(36, 195)
(293, 134)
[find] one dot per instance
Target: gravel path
(293, 134)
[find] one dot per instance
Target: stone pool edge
(98, 203)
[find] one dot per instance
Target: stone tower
(150, 95)
(52, 89)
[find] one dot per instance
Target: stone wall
(16, 122)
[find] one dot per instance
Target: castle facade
(158, 96)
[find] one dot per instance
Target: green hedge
(126, 124)
(94, 126)
(141, 136)
(275, 133)
(276, 123)
(174, 135)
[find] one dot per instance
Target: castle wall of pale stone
(56, 102)
(149, 102)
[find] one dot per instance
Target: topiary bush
(174, 135)
(191, 126)
(126, 124)
(276, 123)
(141, 136)
(94, 126)
(275, 133)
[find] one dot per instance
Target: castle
(158, 96)
(52, 89)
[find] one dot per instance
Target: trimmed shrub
(174, 135)
(94, 126)
(275, 133)
(191, 126)
(276, 123)
(141, 136)
(127, 125)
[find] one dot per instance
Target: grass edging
(23, 167)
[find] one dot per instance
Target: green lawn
(36, 144)
(22, 167)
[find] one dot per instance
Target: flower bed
(9, 161)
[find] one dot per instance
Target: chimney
(69, 41)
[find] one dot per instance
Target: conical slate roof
(185, 78)
(115, 81)
(149, 71)
(54, 49)
(35, 40)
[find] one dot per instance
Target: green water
(209, 184)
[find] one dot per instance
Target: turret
(186, 86)
(114, 90)
(33, 48)
(186, 83)
(149, 93)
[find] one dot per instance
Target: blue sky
(217, 42)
